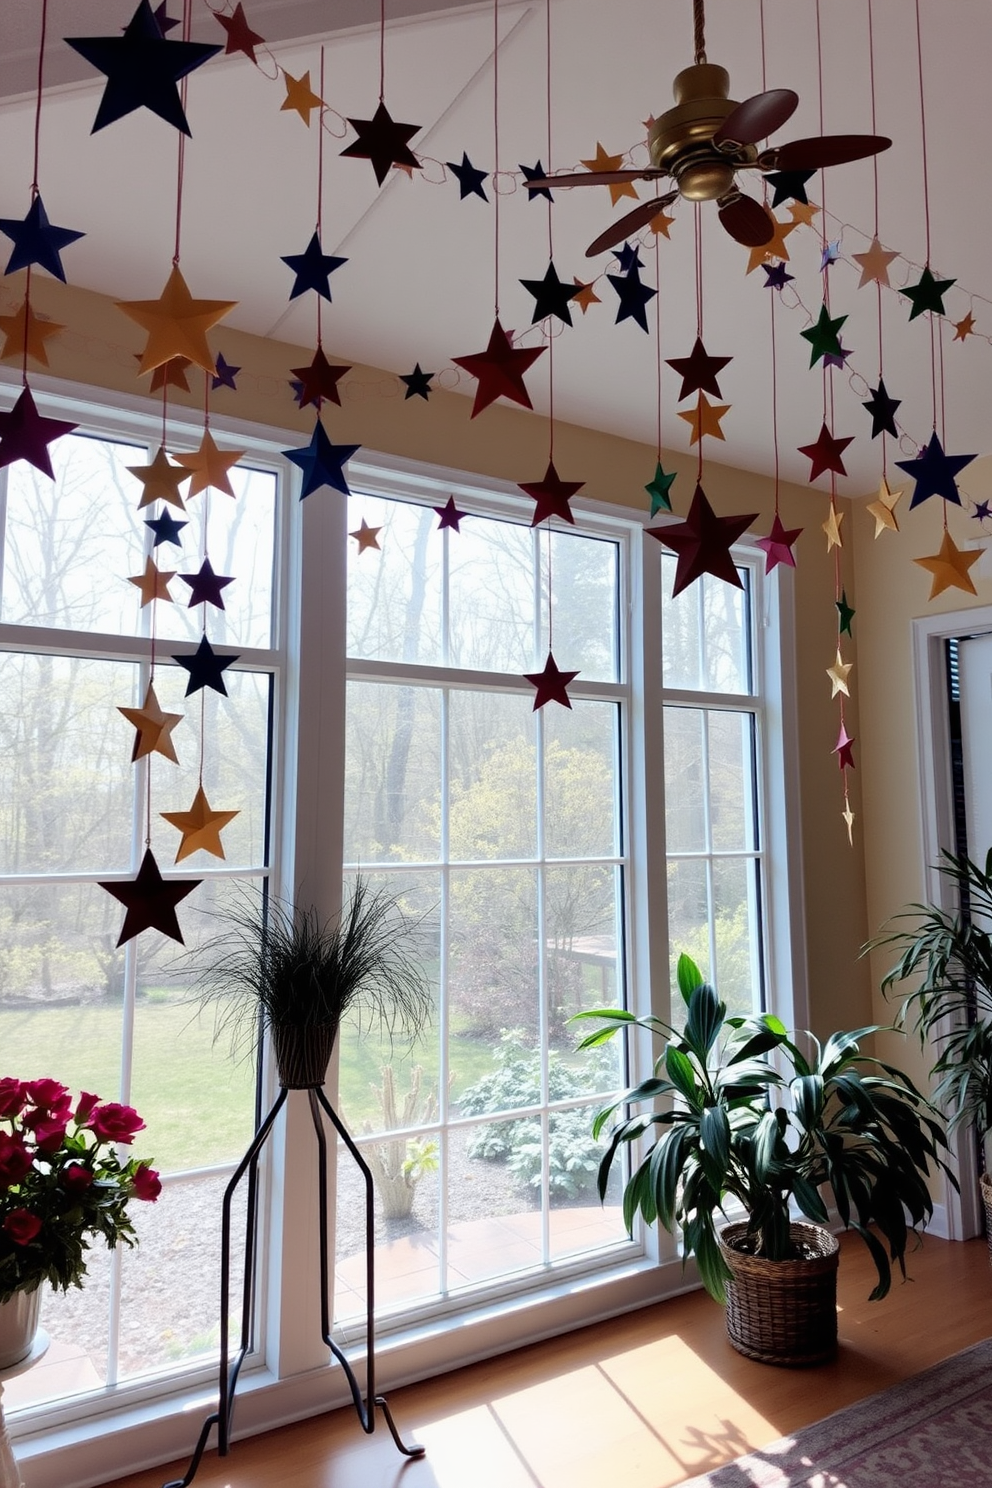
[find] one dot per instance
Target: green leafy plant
(746, 1116)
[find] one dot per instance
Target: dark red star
(551, 684)
(26, 435)
(205, 586)
(240, 36)
(319, 380)
(384, 142)
(500, 370)
(777, 546)
(551, 496)
(703, 542)
(842, 749)
(150, 900)
(826, 453)
(699, 371)
(450, 515)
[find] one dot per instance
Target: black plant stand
(229, 1371)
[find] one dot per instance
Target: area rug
(931, 1431)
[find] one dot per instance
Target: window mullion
(444, 1053)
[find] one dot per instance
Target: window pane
(735, 921)
(394, 611)
(393, 774)
(493, 939)
(581, 914)
(495, 1212)
(406, 1245)
(493, 767)
(705, 633)
(579, 1221)
(491, 607)
(731, 783)
(688, 916)
(61, 982)
(580, 780)
(685, 784)
(583, 582)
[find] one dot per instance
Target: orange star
(153, 583)
(883, 508)
(774, 248)
(366, 537)
(160, 481)
(209, 466)
(154, 728)
(803, 212)
(705, 418)
(24, 333)
(586, 295)
(949, 568)
(964, 328)
(661, 224)
(603, 162)
(300, 97)
(170, 374)
(177, 324)
(200, 825)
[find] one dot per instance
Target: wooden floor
(644, 1401)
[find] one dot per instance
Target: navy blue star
(312, 269)
(551, 296)
(205, 668)
(776, 276)
(981, 511)
(166, 528)
(536, 173)
(882, 409)
(469, 179)
(224, 375)
(418, 383)
(165, 21)
(934, 472)
(633, 296)
(627, 258)
(322, 462)
(789, 185)
(142, 69)
(36, 241)
(205, 586)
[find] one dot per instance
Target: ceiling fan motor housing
(681, 141)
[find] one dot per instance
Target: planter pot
(18, 1326)
(302, 1055)
(783, 1312)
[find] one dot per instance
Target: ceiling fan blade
(822, 150)
(757, 117)
(596, 178)
(746, 220)
(632, 222)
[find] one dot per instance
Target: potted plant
(62, 1182)
(738, 1114)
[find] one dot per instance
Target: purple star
(981, 511)
(776, 276)
(25, 434)
(829, 254)
(837, 358)
(224, 375)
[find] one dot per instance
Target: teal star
(928, 294)
(658, 490)
(824, 336)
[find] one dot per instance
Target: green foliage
(723, 1121)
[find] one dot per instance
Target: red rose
(15, 1160)
(49, 1134)
(76, 1178)
(147, 1183)
(12, 1096)
(116, 1123)
(85, 1107)
(22, 1226)
(48, 1095)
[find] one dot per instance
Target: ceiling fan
(706, 139)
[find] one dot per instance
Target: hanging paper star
(823, 335)
(826, 453)
(142, 69)
(838, 674)
(935, 473)
(171, 374)
(165, 528)
(163, 20)
(837, 358)
(698, 371)
(882, 409)
(633, 296)
(831, 528)
(774, 248)
(982, 511)
(585, 295)
(551, 684)
(469, 179)
(209, 467)
(366, 537)
(201, 826)
(37, 241)
(874, 265)
(240, 36)
(300, 97)
(659, 488)
(177, 324)
(883, 508)
(322, 462)
(928, 294)
(205, 586)
(383, 142)
(25, 334)
(603, 162)
(627, 258)
(703, 542)
(842, 749)
(418, 383)
(153, 728)
(789, 185)
(660, 224)
(535, 173)
(153, 583)
(802, 213)
(777, 546)
(150, 901)
(223, 374)
(844, 614)
(206, 668)
(312, 269)
(705, 418)
(777, 276)
(964, 328)
(160, 481)
(848, 818)
(829, 254)
(319, 380)
(949, 569)
(449, 515)
(551, 296)
(500, 370)
(551, 496)
(25, 434)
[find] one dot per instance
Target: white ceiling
(419, 284)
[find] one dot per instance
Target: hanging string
(657, 337)
(699, 31)
(320, 187)
(771, 301)
(551, 254)
(382, 55)
(181, 161)
(764, 69)
(206, 401)
(699, 324)
(926, 202)
(165, 410)
(496, 147)
(878, 282)
(551, 605)
(38, 97)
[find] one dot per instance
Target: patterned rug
(931, 1431)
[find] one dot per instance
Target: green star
(845, 613)
(823, 337)
(928, 294)
(658, 490)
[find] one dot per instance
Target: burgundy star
(699, 371)
(450, 515)
(551, 496)
(240, 36)
(842, 749)
(826, 453)
(150, 900)
(26, 435)
(205, 586)
(384, 142)
(500, 370)
(777, 546)
(551, 684)
(703, 543)
(319, 380)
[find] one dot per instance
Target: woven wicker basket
(783, 1312)
(986, 1187)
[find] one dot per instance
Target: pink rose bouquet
(63, 1181)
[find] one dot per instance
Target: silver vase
(18, 1326)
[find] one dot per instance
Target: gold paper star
(366, 536)
(604, 162)
(586, 295)
(154, 728)
(964, 328)
(883, 509)
(838, 674)
(170, 374)
(949, 568)
(832, 528)
(177, 324)
(300, 96)
(803, 212)
(774, 248)
(209, 466)
(705, 418)
(661, 224)
(848, 816)
(24, 331)
(874, 265)
(153, 583)
(160, 481)
(200, 825)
